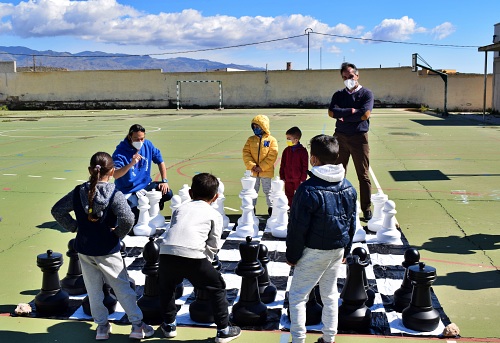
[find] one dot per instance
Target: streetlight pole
(308, 31)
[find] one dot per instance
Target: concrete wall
(496, 70)
(281, 88)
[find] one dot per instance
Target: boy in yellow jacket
(259, 155)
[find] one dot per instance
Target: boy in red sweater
(294, 163)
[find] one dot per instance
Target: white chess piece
(184, 193)
(248, 218)
(359, 234)
(142, 228)
(389, 233)
(156, 219)
(280, 226)
(277, 186)
(377, 220)
(219, 205)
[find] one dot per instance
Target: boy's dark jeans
(202, 275)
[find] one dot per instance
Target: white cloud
(443, 30)
(107, 21)
(395, 29)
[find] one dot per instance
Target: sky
(317, 34)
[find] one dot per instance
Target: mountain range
(27, 59)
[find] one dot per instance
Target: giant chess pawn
(420, 315)
(353, 313)
(280, 227)
(51, 299)
(360, 233)
(201, 309)
(389, 233)
(277, 186)
(149, 302)
(73, 282)
(143, 228)
(219, 204)
(313, 309)
(267, 290)
(109, 301)
(175, 202)
(184, 193)
(249, 310)
(156, 219)
(123, 252)
(402, 296)
(377, 220)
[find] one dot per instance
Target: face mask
(289, 142)
(257, 131)
(350, 83)
(137, 145)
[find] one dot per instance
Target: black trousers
(357, 146)
(202, 275)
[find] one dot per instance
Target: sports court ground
(442, 173)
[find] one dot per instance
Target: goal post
(179, 90)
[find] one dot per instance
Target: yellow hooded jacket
(261, 151)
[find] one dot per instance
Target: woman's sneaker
(232, 333)
(102, 332)
(169, 330)
(142, 330)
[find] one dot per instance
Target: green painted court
(442, 173)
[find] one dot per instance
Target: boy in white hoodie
(320, 230)
(187, 251)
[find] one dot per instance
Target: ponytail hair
(101, 164)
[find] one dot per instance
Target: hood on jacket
(263, 122)
(103, 193)
(329, 172)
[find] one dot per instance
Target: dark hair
(100, 164)
(295, 132)
(347, 65)
(325, 148)
(204, 186)
(135, 128)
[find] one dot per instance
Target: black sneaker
(233, 332)
(169, 330)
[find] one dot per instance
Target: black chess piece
(73, 282)
(402, 296)
(51, 299)
(313, 308)
(109, 301)
(249, 310)
(267, 289)
(420, 315)
(201, 309)
(149, 302)
(353, 313)
(123, 252)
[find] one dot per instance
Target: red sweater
(294, 163)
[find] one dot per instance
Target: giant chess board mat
(385, 275)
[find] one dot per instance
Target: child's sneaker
(169, 330)
(142, 330)
(321, 340)
(103, 332)
(232, 333)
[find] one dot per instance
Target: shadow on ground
(469, 244)
(470, 281)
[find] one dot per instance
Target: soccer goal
(179, 90)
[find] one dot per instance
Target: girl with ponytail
(103, 218)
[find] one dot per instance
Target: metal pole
(308, 31)
(485, 83)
